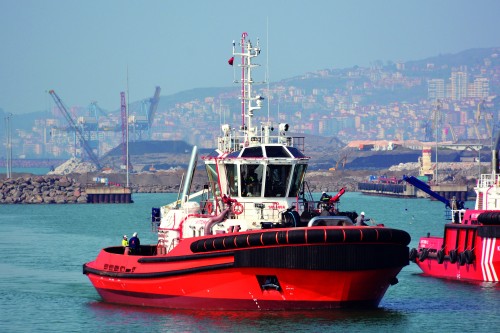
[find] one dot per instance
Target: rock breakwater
(42, 190)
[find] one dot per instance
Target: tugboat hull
(300, 289)
(323, 274)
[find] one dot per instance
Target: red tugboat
(470, 247)
(254, 238)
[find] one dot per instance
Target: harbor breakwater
(42, 190)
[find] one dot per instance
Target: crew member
(134, 244)
(360, 220)
(125, 241)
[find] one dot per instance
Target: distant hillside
(469, 58)
(442, 67)
(349, 85)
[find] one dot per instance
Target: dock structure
(448, 191)
(109, 195)
(389, 190)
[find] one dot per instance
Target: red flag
(230, 61)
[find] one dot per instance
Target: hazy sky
(82, 49)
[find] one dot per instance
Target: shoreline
(56, 189)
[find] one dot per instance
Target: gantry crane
(78, 131)
(140, 124)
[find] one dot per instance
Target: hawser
(254, 238)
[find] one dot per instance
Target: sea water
(42, 288)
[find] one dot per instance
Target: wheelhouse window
(251, 180)
(213, 178)
(277, 178)
(276, 151)
(297, 179)
(295, 152)
(252, 152)
(232, 179)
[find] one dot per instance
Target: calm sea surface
(42, 287)
(16, 170)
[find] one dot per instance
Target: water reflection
(165, 320)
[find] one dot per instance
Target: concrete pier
(450, 191)
(389, 190)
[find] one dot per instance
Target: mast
(248, 51)
(127, 129)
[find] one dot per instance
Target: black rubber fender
(462, 258)
(489, 218)
(424, 253)
(453, 256)
(440, 256)
(413, 255)
(469, 256)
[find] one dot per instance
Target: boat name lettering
(276, 206)
(118, 268)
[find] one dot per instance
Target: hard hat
(124, 236)
(362, 213)
(135, 234)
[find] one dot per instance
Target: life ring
(209, 207)
(237, 208)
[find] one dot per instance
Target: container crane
(78, 131)
(143, 123)
(153, 106)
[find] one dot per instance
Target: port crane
(78, 131)
(488, 117)
(140, 124)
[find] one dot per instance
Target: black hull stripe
(89, 270)
(330, 257)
